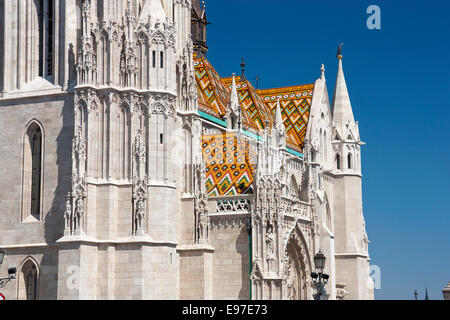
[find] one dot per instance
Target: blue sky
(399, 83)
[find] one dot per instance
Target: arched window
(32, 173)
(349, 160)
(28, 281)
(338, 161)
(36, 155)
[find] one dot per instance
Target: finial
(203, 4)
(243, 68)
(322, 70)
(257, 82)
(339, 52)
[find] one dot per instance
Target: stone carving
(79, 145)
(233, 205)
(75, 209)
(139, 147)
(341, 292)
(202, 219)
(139, 199)
(68, 213)
(270, 241)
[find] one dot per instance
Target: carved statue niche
(139, 199)
(202, 219)
(140, 154)
(270, 241)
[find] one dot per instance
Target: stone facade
(103, 191)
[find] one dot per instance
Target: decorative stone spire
(235, 108)
(426, 294)
(130, 21)
(279, 134)
(234, 96)
(342, 108)
(279, 124)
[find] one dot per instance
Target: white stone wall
(231, 273)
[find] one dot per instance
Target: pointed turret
(351, 246)
(234, 112)
(279, 134)
(234, 96)
(279, 119)
(342, 108)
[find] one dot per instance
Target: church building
(132, 170)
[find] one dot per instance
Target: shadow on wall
(54, 219)
(72, 76)
(242, 249)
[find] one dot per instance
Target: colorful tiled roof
(230, 159)
(213, 95)
(295, 104)
(230, 163)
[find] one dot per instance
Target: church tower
(351, 252)
(125, 170)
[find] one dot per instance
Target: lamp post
(11, 271)
(319, 278)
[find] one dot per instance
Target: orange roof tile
(295, 104)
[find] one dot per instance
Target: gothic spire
(342, 108)
(234, 103)
(234, 96)
(426, 294)
(279, 119)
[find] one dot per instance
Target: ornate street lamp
(319, 260)
(319, 278)
(11, 271)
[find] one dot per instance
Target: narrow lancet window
(45, 17)
(32, 173)
(36, 155)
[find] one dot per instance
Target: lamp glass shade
(2, 255)
(319, 260)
